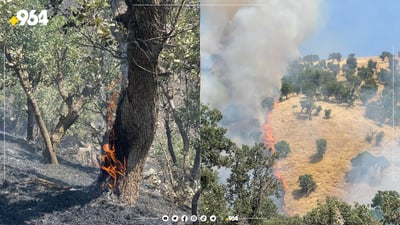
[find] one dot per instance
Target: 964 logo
(30, 18)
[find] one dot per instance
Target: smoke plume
(245, 48)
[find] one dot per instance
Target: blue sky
(363, 27)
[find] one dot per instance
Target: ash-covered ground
(33, 192)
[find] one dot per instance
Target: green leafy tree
(335, 55)
(365, 73)
(331, 88)
(307, 106)
(321, 147)
(215, 149)
(307, 183)
(285, 88)
(354, 81)
(311, 58)
(252, 183)
(337, 212)
(351, 61)
(371, 65)
(334, 67)
(311, 80)
(386, 55)
(387, 204)
(213, 200)
(180, 97)
(214, 144)
(59, 71)
(285, 220)
(351, 65)
(327, 113)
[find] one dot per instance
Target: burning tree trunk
(135, 124)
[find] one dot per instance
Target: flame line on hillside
(269, 141)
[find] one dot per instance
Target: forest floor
(32, 192)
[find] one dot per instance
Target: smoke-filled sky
(363, 27)
(246, 46)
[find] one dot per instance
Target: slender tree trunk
(50, 153)
(185, 140)
(31, 121)
(195, 204)
(182, 132)
(168, 132)
(195, 173)
(62, 126)
(137, 111)
(33, 80)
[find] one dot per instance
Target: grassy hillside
(345, 133)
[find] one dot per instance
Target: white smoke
(374, 178)
(245, 49)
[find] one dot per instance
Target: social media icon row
(185, 218)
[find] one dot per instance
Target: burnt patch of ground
(36, 193)
(367, 168)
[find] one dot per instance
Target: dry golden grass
(345, 133)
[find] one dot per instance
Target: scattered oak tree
(282, 148)
(58, 78)
(387, 205)
(307, 183)
(321, 147)
(327, 113)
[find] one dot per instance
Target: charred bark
(137, 111)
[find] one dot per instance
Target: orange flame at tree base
(109, 160)
(115, 167)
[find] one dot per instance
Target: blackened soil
(32, 192)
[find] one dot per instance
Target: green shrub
(283, 148)
(321, 147)
(307, 183)
(318, 110)
(327, 113)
